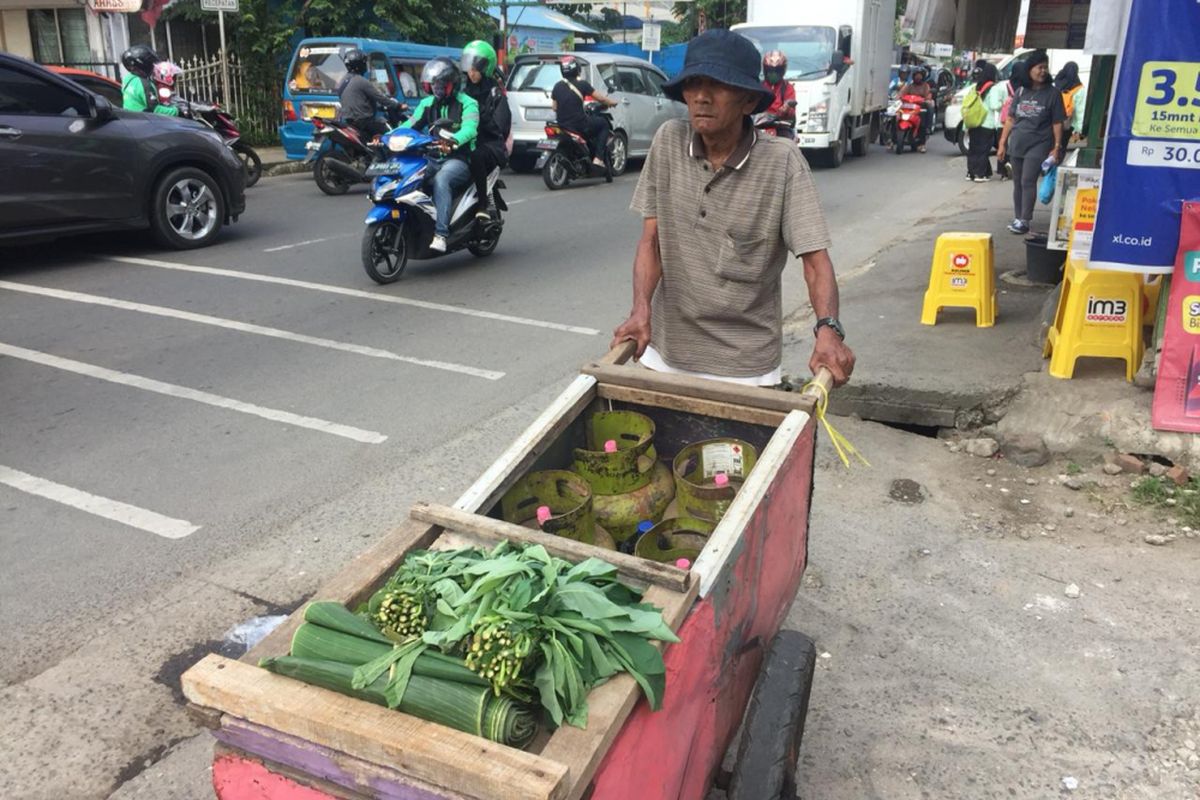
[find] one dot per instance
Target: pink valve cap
(543, 514)
(721, 479)
(683, 563)
(610, 446)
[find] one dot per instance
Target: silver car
(635, 84)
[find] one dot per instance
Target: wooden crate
(280, 738)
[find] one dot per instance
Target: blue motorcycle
(401, 224)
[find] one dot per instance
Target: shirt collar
(740, 155)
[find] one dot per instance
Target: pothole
(907, 491)
(928, 431)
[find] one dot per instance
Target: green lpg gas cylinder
(565, 497)
(673, 539)
(708, 476)
(621, 466)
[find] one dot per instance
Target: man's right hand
(635, 329)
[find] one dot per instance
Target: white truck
(839, 61)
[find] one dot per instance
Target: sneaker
(599, 162)
(970, 178)
(438, 245)
(482, 215)
(981, 180)
(1017, 226)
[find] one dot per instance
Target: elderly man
(721, 209)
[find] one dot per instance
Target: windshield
(318, 69)
(534, 76)
(809, 48)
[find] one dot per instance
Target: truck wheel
(859, 146)
(186, 209)
(835, 155)
(770, 747)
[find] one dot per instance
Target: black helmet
(570, 67)
(441, 77)
(140, 60)
(903, 71)
(355, 61)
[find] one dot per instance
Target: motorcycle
(566, 155)
(772, 125)
(888, 127)
(340, 153)
(212, 115)
(906, 129)
(400, 226)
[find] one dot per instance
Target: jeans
(448, 177)
(595, 130)
(1026, 171)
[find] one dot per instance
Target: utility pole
(504, 33)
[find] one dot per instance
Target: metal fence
(254, 102)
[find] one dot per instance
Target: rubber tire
(334, 186)
(860, 146)
(250, 161)
(159, 224)
(482, 250)
(963, 144)
(832, 157)
(551, 184)
(367, 251)
(523, 163)
(624, 164)
(769, 750)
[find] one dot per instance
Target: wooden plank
(519, 457)
(620, 354)
(652, 572)
(609, 705)
(351, 585)
(691, 405)
(431, 753)
(716, 391)
(721, 546)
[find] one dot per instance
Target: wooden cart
(279, 738)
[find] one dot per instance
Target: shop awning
(533, 17)
(989, 25)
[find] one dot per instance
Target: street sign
(115, 6)
(651, 37)
(219, 5)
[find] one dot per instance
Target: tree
(717, 14)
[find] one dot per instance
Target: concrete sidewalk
(276, 162)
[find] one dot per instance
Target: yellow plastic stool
(1099, 314)
(1151, 289)
(962, 276)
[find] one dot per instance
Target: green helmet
(479, 55)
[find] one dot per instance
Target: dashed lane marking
(115, 510)
(246, 327)
(347, 292)
(195, 395)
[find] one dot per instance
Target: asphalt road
(191, 439)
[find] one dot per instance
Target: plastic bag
(1046, 186)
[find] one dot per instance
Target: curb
(285, 168)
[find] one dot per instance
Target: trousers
(448, 177)
(595, 130)
(979, 152)
(1025, 173)
(484, 159)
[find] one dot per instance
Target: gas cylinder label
(722, 457)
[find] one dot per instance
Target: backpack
(974, 112)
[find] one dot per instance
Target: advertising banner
(1177, 388)
(1152, 150)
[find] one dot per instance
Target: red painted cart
(281, 739)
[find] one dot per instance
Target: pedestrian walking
(1074, 96)
(721, 209)
(981, 118)
(1018, 79)
(1032, 137)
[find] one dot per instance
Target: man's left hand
(831, 352)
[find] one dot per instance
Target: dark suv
(72, 163)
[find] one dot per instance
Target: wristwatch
(833, 324)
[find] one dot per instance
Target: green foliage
(717, 13)
(1162, 493)
(1073, 468)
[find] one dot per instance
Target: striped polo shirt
(724, 239)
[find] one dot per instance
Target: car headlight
(397, 144)
(818, 117)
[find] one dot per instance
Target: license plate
(312, 145)
(547, 144)
(384, 168)
(807, 141)
(539, 114)
(324, 112)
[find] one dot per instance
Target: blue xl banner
(1152, 151)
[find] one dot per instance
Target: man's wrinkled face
(715, 107)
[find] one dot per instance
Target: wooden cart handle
(621, 353)
(824, 380)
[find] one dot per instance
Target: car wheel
(186, 209)
(963, 144)
(618, 148)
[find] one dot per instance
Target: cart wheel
(765, 768)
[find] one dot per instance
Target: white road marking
(134, 517)
(331, 289)
(306, 242)
(246, 327)
(174, 390)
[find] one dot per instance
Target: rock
(1074, 484)
(991, 471)
(1024, 534)
(1112, 469)
(1072, 591)
(1050, 528)
(1068, 512)
(1025, 501)
(1070, 783)
(982, 447)
(954, 448)
(1031, 481)
(1026, 450)
(1189, 744)
(1131, 464)
(1157, 470)
(1178, 475)
(1170, 501)
(1155, 539)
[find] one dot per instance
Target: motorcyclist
(900, 80)
(360, 98)
(137, 92)
(774, 68)
(442, 81)
(495, 119)
(920, 87)
(567, 98)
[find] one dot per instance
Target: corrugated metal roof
(536, 17)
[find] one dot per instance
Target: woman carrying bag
(1032, 137)
(981, 118)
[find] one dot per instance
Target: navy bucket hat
(727, 58)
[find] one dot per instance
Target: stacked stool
(962, 276)
(1099, 314)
